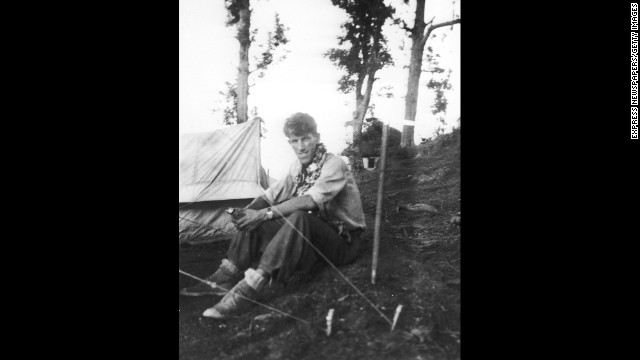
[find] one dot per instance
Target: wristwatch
(269, 214)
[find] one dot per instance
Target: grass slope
(419, 267)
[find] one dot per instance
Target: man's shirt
(335, 192)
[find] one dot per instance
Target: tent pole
(259, 150)
(376, 235)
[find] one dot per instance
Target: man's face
(304, 146)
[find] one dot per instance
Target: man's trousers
(279, 246)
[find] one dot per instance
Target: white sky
(305, 81)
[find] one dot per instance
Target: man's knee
(297, 216)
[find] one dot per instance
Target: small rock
(423, 179)
(418, 207)
(421, 332)
(265, 316)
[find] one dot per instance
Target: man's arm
(300, 203)
(253, 218)
(331, 181)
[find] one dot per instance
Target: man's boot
(238, 300)
(225, 278)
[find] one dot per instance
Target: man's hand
(251, 220)
(258, 203)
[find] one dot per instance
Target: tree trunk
(362, 104)
(242, 84)
(358, 119)
(418, 40)
(415, 69)
(411, 100)
(358, 116)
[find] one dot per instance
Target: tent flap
(218, 169)
(221, 165)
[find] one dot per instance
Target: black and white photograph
(319, 179)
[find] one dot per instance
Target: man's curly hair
(299, 124)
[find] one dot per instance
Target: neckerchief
(308, 176)
(310, 173)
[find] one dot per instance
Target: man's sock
(255, 279)
(228, 265)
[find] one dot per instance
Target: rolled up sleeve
(332, 179)
(281, 190)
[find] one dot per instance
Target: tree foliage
(372, 132)
(233, 11)
(236, 96)
(230, 97)
(366, 50)
(437, 83)
(361, 53)
(275, 51)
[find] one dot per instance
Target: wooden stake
(376, 234)
(395, 317)
(329, 320)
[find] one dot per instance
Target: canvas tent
(218, 170)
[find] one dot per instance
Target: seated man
(317, 200)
